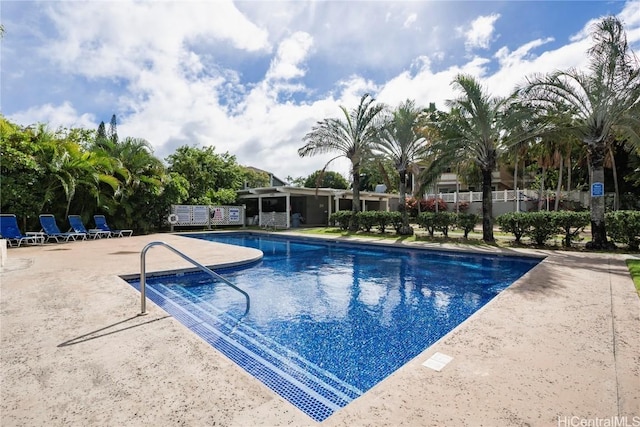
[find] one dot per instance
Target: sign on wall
(234, 215)
(197, 215)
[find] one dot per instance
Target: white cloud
(55, 116)
(174, 90)
(125, 36)
(507, 58)
(291, 53)
(480, 32)
(411, 19)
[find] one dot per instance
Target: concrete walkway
(559, 347)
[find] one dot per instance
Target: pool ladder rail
(143, 274)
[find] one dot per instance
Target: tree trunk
(541, 195)
(559, 187)
(487, 208)
(355, 206)
(515, 185)
(616, 202)
(596, 166)
(385, 176)
(405, 229)
(569, 173)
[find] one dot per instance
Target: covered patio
(278, 207)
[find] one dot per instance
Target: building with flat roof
(274, 206)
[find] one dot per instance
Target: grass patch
(634, 269)
(335, 231)
(475, 239)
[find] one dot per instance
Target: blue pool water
(328, 320)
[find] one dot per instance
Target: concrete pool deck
(559, 347)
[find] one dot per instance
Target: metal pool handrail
(143, 274)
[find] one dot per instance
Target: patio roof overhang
(282, 191)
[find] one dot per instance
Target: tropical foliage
(400, 141)
(478, 128)
(326, 179)
(87, 172)
(351, 136)
(603, 102)
(571, 128)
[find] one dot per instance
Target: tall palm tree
(351, 136)
(434, 127)
(480, 126)
(404, 146)
(602, 102)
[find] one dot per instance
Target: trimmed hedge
(571, 223)
(624, 227)
(516, 223)
(542, 226)
(467, 222)
(367, 220)
(445, 221)
(341, 219)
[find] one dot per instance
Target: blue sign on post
(597, 189)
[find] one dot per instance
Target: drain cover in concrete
(438, 361)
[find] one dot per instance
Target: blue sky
(253, 77)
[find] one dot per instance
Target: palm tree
(602, 102)
(404, 146)
(434, 127)
(480, 127)
(144, 175)
(351, 137)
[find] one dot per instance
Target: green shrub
(383, 220)
(341, 219)
(517, 223)
(395, 219)
(367, 219)
(426, 220)
(571, 224)
(624, 227)
(466, 222)
(443, 221)
(543, 227)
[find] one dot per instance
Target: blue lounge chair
(77, 225)
(101, 223)
(10, 231)
(52, 232)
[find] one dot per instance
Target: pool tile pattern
(310, 388)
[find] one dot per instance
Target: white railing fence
(510, 196)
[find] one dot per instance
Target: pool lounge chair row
(10, 230)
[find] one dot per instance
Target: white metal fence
(511, 195)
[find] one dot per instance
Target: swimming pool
(329, 320)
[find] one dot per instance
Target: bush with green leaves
(571, 224)
(341, 219)
(395, 219)
(543, 227)
(383, 220)
(367, 219)
(440, 221)
(516, 223)
(427, 221)
(467, 222)
(443, 221)
(624, 227)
